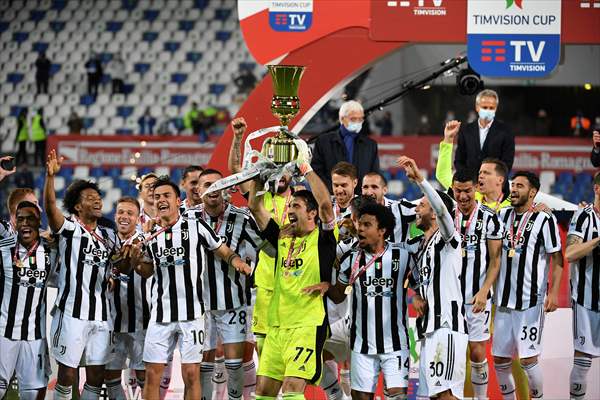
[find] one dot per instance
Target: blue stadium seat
(565, 177)
(178, 100)
(15, 110)
(114, 172)
(129, 5)
(128, 88)
(57, 26)
(200, 4)
(114, 26)
(106, 57)
(247, 65)
(186, 25)
(222, 14)
(141, 68)
(37, 15)
(4, 26)
(58, 5)
(178, 78)
(216, 88)
(176, 174)
(401, 176)
(86, 100)
(40, 47)
(97, 172)
(151, 15)
(122, 184)
(54, 68)
(144, 171)
(124, 131)
(88, 122)
(223, 36)
(193, 56)
(20, 37)
(66, 172)
(149, 36)
(387, 175)
(172, 46)
(14, 77)
(583, 178)
(124, 111)
(106, 78)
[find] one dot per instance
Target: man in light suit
(486, 137)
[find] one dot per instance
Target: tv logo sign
(423, 7)
(290, 16)
(513, 38)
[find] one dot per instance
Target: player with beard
(226, 298)
(130, 305)
(481, 234)
(175, 255)
(343, 182)
(26, 262)
(81, 328)
(375, 187)
(148, 212)
(436, 267)
(522, 296)
(190, 182)
(277, 204)
(292, 353)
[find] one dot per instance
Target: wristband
(231, 258)
(304, 168)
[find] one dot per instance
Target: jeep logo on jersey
(32, 273)
(95, 252)
(383, 282)
(508, 237)
(294, 263)
(469, 238)
(172, 252)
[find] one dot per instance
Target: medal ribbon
(207, 218)
(92, 232)
(17, 260)
(354, 274)
(285, 209)
(522, 224)
(457, 220)
(292, 253)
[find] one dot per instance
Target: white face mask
(354, 126)
(488, 115)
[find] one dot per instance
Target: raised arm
(56, 218)
(317, 186)
(443, 169)
(3, 172)
(444, 219)
(257, 207)
(234, 162)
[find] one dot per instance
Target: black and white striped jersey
(378, 307)
(130, 299)
(6, 229)
(484, 226)
(339, 212)
(185, 206)
(23, 289)
(404, 212)
(224, 288)
(179, 257)
(84, 270)
(585, 273)
(523, 278)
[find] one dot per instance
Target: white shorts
(443, 363)
(128, 346)
(28, 360)
(478, 324)
(586, 330)
(249, 333)
(365, 369)
(76, 342)
(338, 344)
(518, 333)
(161, 339)
(230, 326)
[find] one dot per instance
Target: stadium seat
(186, 25)
(14, 78)
(124, 111)
(222, 36)
(171, 46)
(150, 36)
(178, 100)
(216, 88)
(178, 78)
(150, 15)
(37, 15)
(88, 122)
(114, 26)
(87, 100)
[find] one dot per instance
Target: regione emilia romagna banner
(513, 38)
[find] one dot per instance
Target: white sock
(578, 381)
(345, 381)
(505, 380)
(329, 382)
(114, 389)
(165, 381)
(235, 378)
(90, 392)
(220, 378)
(536, 379)
(30, 394)
(62, 392)
(207, 370)
(249, 379)
(479, 378)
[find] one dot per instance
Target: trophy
(285, 104)
(279, 152)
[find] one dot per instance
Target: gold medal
(348, 290)
(464, 253)
(19, 264)
(511, 253)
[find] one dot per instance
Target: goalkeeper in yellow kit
(297, 319)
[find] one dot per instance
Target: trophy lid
(286, 79)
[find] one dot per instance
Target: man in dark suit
(486, 137)
(349, 144)
(595, 156)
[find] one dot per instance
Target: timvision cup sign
(513, 38)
